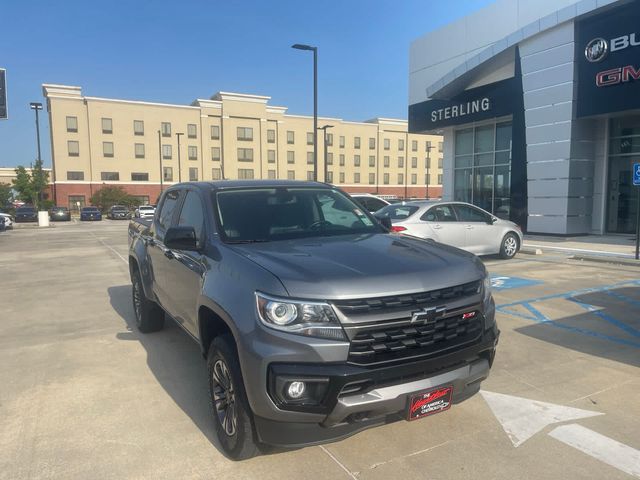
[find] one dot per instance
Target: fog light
(296, 389)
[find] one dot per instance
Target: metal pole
(179, 165)
(160, 154)
(315, 113)
(638, 223)
(38, 134)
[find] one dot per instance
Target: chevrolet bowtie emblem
(428, 315)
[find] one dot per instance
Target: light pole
(298, 46)
(429, 147)
(326, 154)
(37, 106)
(178, 135)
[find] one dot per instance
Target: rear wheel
(509, 246)
(149, 315)
(233, 419)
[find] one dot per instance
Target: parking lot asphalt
(84, 395)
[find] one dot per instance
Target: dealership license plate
(430, 402)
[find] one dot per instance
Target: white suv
(145, 211)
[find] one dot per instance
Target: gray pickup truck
(315, 321)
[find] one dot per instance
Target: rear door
(441, 224)
(480, 233)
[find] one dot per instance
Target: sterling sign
(461, 110)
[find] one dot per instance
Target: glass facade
(622, 196)
(482, 167)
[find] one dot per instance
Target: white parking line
(579, 250)
(110, 248)
(602, 448)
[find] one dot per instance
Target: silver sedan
(458, 224)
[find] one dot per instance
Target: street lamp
(178, 135)
(37, 106)
(429, 147)
(298, 46)
(326, 154)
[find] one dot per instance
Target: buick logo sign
(596, 50)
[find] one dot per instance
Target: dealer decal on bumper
(430, 402)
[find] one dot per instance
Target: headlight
(315, 319)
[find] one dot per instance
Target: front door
(622, 195)
(440, 223)
(480, 234)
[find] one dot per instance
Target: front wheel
(233, 419)
(509, 246)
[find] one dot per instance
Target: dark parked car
(60, 214)
(26, 214)
(119, 212)
(2, 225)
(90, 213)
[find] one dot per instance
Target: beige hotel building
(144, 147)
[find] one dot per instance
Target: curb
(602, 259)
(530, 251)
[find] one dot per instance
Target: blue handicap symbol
(500, 282)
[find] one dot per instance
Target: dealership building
(539, 106)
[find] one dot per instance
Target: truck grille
(400, 302)
(384, 344)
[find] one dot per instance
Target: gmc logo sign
(616, 76)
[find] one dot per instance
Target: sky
(177, 51)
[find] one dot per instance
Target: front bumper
(381, 394)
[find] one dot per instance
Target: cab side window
(471, 214)
(167, 209)
(439, 213)
(192, 215)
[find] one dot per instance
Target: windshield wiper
(253, 240)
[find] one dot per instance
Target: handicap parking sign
(636, 174)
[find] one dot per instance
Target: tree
(22, 185)
(5, 194)
(31, 186)
(111, 195)
(39, 183)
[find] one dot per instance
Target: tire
(233, 422)
(509, 246)
(148, 314)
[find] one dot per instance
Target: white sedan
(8, 220)
(458, 224)
(145, 211)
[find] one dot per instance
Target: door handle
(437, 227)
(169, 254)
(469, 227)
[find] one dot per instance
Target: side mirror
(493, 220)
(181, 238)
(385, 222)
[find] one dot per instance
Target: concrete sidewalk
(600, 245)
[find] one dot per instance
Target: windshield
(25, 210)
(397, 212)
(90, 209)
(266, 214)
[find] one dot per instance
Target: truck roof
(222, 184)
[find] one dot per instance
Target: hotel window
(387, 163)
(75, 175)
(107, 149)
(271, 156)
(427, 179)
(291, 156)
(342, 159)
(372, 160)
(245, 154)
(372, 143)
(329, 177)
(291, 138)
(310, 176)
(400, 162)
(215, 132)
(309, 138)
(385, 179)
(439, 179)
(427, 162)
(192, 152)
(271, 136)
(440, 146)
(440, 163)
(414, 179)
(309, 158)
(192, 130)
(245, 133)
(167, 173)
(139, 177)
(139, 150)
(291, 175)
(107, 125)
(216, 174)
(109, 176)
(414, 162)
(356, 177)
(401, 145)
(138, 127)
(330, 139)
(400, 179)
(166, 152)
(271, 174)
(341, 141)
(72, 124)
(356, 142)
(193, 174)
(356, 160)
(165, 128)
(387, 144)
(482, 167)
(414, 145)
(372, 178)
(329, 158)
(215, 154)
(245, 173)
(341, 177)
(73, 147)
(427, 146)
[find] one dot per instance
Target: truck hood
(361, 266)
